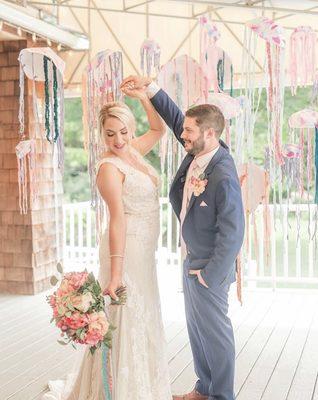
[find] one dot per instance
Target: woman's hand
(130, 90)
(112, 287)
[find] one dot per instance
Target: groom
(206, 198)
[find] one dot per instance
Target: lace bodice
(140, 192)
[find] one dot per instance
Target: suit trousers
(211, 337)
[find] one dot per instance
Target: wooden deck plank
(306, 374)
(248, 354)
(258, 377)
(281, 379)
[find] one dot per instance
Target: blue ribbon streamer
(316, 163)
(105, 351)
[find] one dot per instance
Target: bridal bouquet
(79, 309)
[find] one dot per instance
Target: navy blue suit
(213, 235)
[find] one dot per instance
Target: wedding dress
(138, 357)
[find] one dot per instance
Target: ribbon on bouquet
(106, 372)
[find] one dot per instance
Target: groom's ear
(211, 133)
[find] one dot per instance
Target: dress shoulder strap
(117, 162)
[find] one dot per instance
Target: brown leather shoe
(194, 395)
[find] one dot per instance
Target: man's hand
(135, 82)
(197, 272)
(135, 93)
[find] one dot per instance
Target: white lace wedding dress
(139, 360)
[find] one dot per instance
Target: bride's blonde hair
(120, 110)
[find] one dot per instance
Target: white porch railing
(294, 260)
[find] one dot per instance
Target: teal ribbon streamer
(46, 60)
(47, 97)
(316, 163)
(105, 351)
(55, 105)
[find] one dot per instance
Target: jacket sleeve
(229, 239)
(169, 112)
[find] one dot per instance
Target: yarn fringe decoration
(150, 57)
(39, 64)
(302, 69)
(25, 152)
(100, 85)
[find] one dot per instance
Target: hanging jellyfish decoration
(303, 132)
(215, 63)
(39, 64)
(230, 108)
(273, 66)
(183, 79)
(100, 84)
(302, 164)
(255, 188)
(302, 68)
(150, 57)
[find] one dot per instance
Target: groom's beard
(197, 146)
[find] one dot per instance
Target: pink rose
(76, 321)
(76, 279)
(97, 328)
(93, 337)
(98, 322)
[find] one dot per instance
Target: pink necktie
(185, 202)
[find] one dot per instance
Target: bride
(130, 188)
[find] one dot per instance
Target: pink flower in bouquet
(82, 302)
(76, 320)
(93, 337)
(97, 328)
(76, 279)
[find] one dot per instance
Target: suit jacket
(213, 228)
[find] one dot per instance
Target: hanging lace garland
(183, 79)
(35, 64)
(215, 63)
(302, 69)
(100, 84)
(150, 57)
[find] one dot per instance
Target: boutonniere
(198, 184)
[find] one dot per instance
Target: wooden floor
(276, 343)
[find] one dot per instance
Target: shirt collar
(204, 160)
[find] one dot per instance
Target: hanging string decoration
(230, 108)
(303, 135)
(25, 152)
(303, 129)
(255, 188)
(215, 63)
(39, 65)
(150, 57)
(274, 67)
(183, 79)
(101, 84)
(302, 68)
